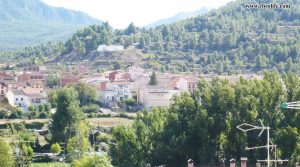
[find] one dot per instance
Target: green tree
(153, 79)
(31, 108)
(131, 29)
(106, 40)
(142, 43)
(93, 108)
(52, 81)
(52, 96)
(55, 148)
(86, 94)
(6, 154)
(289, 64)
(67, 114)
(42, 108)
(79, 144)
(124, 148)
(118, 65)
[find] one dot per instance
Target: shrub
(130, 102)
(93, 108)
(16, 113)
(55, 148)
(3, 114)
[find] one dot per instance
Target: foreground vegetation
(199, 125)
(196, 126)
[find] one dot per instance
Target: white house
(156, 96)
(24, 99)
(116, 91)
(172, 81)
(110, 48)
(17, 98)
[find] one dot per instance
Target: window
(21, 99)
(16, 99)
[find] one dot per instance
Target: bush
(93, 108)
(34, 125)
(123, 115)
(16, 113)
(3, 113)
(44, 115)
(99, 115)
(102, 161)
(33, 114)
(130, 102)
(55, 148)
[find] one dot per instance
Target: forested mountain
(226, 40)
(31, 22)
(178, 17)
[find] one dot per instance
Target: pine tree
(153, 79)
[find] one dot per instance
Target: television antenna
(270, 146)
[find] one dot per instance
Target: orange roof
(30, 90)
(192, 79)
(2, 74)
(119, 82)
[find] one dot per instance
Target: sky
(120, 13)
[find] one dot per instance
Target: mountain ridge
(178, 17)
(31, 22)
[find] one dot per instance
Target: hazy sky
(120, 13)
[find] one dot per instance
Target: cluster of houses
(28, 87)
(114, 87)
(25, 88)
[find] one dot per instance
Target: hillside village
(28, 87)
(79, 92)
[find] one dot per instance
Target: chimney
(244, 161)
(190, 163)
(258, 164)
(232, 162)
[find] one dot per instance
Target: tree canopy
(67, 114)
(6, 154)
(199, 125)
